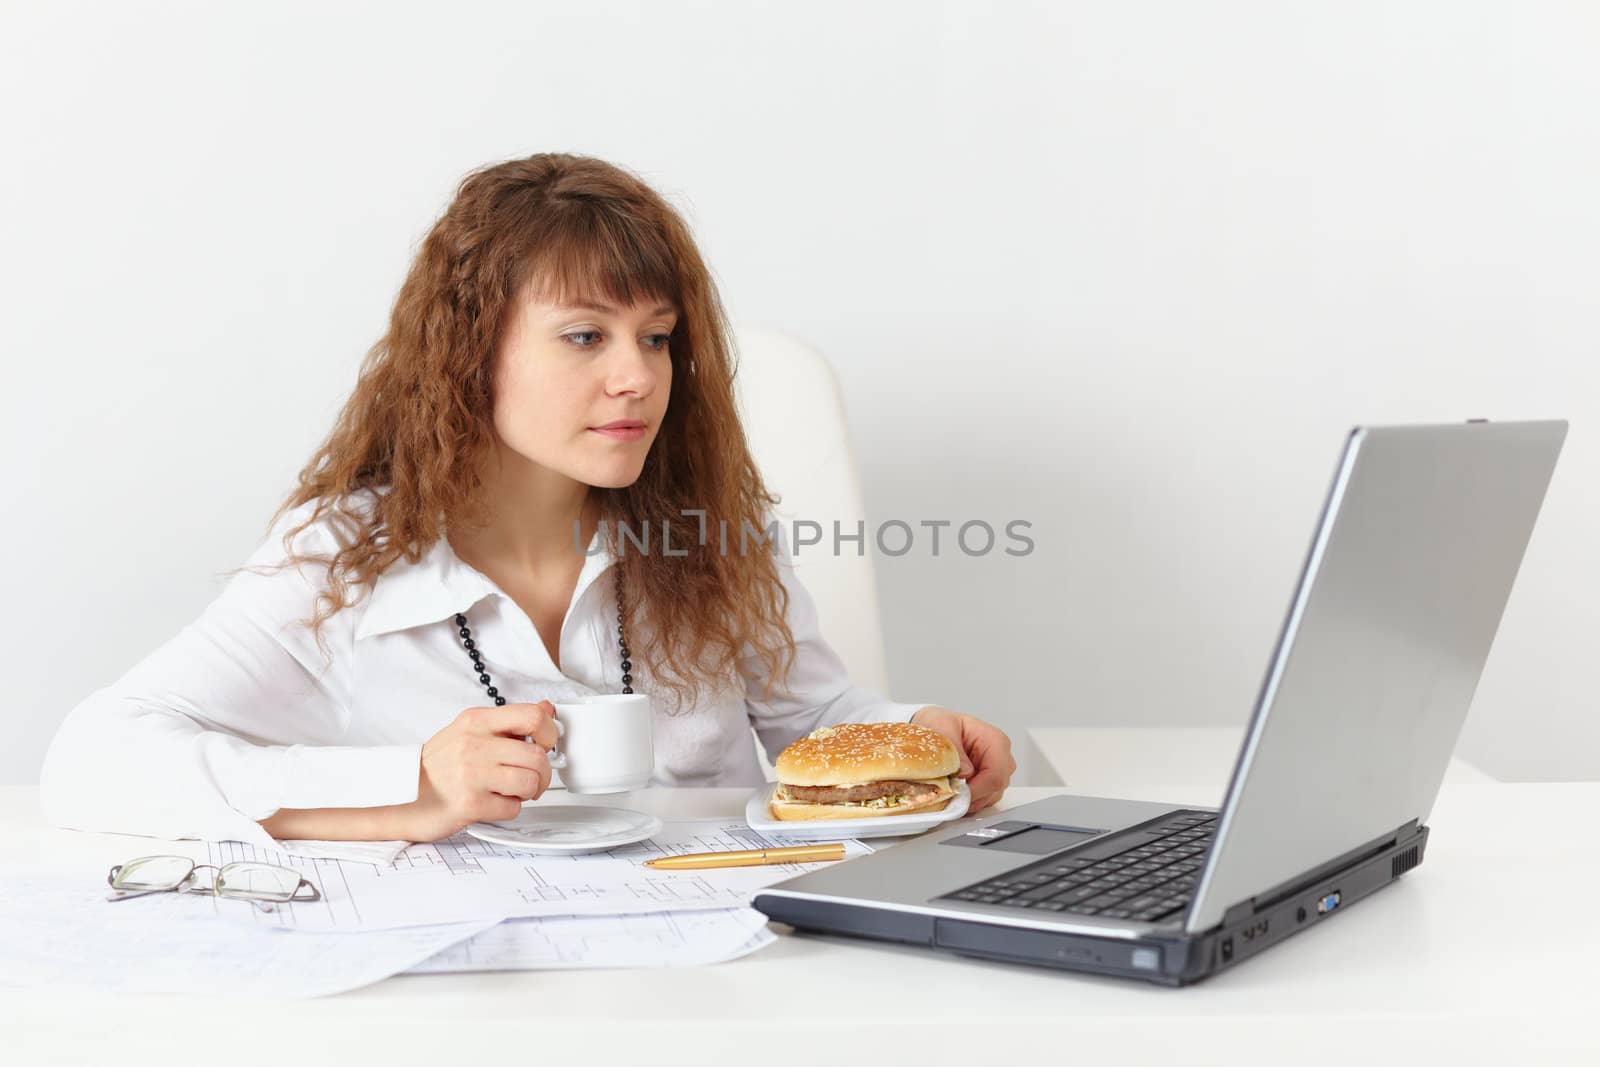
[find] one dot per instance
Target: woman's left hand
(986, 761)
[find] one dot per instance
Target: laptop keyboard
(1148, 882)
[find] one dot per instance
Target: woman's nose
(631, 370)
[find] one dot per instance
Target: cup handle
(558, 760)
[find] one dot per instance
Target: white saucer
(759, 818)
(568, 829)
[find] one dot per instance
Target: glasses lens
(258, 881)
(153, 872)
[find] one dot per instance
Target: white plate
(568, 829)
(756, 814)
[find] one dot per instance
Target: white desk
(1130, 761)
(1450, 965)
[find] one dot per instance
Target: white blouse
(241, 713)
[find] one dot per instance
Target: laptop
(1408, 572)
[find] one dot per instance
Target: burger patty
(834, 794)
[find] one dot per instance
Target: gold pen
(750, 857)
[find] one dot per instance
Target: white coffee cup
(607, 743)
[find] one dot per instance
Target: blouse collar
(440, 584)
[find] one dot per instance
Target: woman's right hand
(479, 769)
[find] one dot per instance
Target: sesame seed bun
(854, 753)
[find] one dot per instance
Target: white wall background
(1127, 271)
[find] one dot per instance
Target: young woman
(557, 356)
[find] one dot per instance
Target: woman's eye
(658, 341)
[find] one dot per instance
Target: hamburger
(859, 770)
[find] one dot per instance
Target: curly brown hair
(419, 423)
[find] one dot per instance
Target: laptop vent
(1404, 862)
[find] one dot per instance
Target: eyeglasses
(261, 883)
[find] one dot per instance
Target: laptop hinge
(1246, 908)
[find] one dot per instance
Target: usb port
(1328, 903)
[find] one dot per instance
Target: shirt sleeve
(819, 691)
(237, 716)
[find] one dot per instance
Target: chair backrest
(794, 419)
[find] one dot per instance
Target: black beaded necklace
(483, 676)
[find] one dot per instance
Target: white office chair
(794, 418)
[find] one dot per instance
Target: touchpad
(1040, 840)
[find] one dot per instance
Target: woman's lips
(620, 433)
